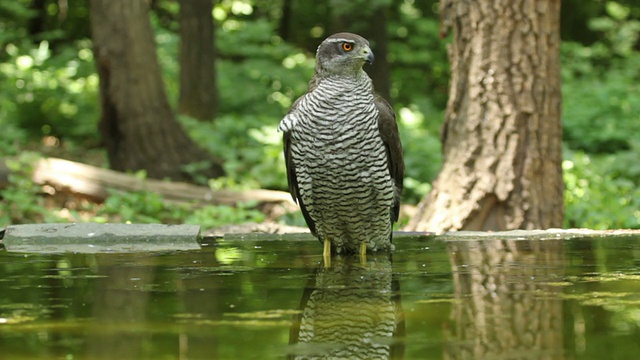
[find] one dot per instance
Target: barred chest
(336, 118)
(341, 165)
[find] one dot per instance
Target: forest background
(49, 102)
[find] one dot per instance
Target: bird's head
(343, 54)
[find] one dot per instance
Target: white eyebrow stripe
(340, 40)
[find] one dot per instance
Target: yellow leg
(326, 254)
(363, 253)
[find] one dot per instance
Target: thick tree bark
(505, 307)
(137, 124)
(198, 92)
(502, 137)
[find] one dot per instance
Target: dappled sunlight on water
(264, 299)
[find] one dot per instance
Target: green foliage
(43, 93)
(600, 112)
(214, 216)
(264, 75)
(12, 137)
(421, 145)
(149, 207)
(258, 74)
(418, 58)
(13, 16)
(621, 33)
(140, 206)
(250, 147)
(602, 192)
(22, 200)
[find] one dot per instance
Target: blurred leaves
(21, 201)
(600, 112)
(602, 192)
(50, 94)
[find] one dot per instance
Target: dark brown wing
(292, 178)
(389, 132)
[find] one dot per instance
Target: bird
(343, 153)
(350, 311)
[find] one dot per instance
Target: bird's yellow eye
(347, 46)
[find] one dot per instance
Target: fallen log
(94, 183)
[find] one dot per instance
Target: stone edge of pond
(95, 237)
(561, 234)
(549, 234)
(73, 237)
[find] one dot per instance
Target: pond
(434, 298)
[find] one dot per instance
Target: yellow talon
(326, 254)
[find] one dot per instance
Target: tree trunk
(198, 92)
(284, 27)
(137, 124)
(377, 35)
(37, 23)
(502, 136)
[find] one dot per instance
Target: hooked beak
(367, 54)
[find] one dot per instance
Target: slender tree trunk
(372, 25)
(137, 125)
(377, 35)
(502, 137)
(198, 92)
(284, 27)
(37, 23)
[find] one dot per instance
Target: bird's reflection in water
(350, 311)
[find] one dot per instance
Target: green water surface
(273, 299)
